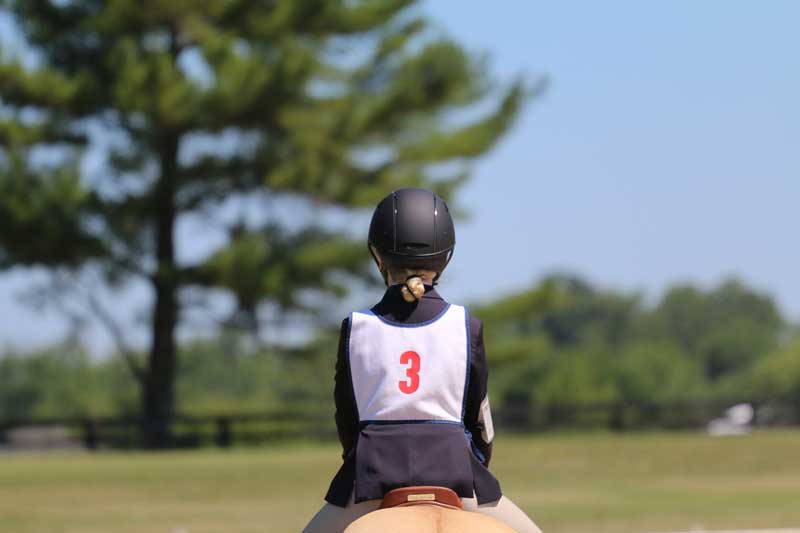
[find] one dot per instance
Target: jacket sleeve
(346, 410)
(478, 416)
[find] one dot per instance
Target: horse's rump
(426, 519)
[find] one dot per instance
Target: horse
(424, 510)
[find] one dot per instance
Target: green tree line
(560, 341)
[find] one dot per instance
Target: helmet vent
(415, 245)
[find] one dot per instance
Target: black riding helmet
(412, 228)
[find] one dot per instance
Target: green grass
(568, 483)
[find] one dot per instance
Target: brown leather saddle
(407, 496)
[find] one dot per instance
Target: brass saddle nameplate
(421, 498)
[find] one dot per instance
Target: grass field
(568, 483)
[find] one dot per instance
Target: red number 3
(412, 373)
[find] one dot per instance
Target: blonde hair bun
(413, 290)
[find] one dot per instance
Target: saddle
(422, 495)
(424, 510)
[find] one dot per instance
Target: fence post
(517, 410)
(616, 421)
(224, 435)
(90, 437)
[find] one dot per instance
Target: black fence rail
(188, 431)
(516, 415)
(520, 414)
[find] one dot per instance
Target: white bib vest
(410, 372)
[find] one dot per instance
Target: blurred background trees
(647, 360)
(125, 119)
(564, 341)
(216, 151)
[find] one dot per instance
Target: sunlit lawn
(568, 483)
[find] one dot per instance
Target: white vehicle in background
(738, 420)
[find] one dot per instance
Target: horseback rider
(411, 379)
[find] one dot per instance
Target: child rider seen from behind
(411, 379)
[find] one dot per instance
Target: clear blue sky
(666, 149)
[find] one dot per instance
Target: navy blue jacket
(383, 457)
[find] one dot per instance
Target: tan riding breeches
(333, 519)
(505, 511)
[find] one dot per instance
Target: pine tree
(194, 102)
